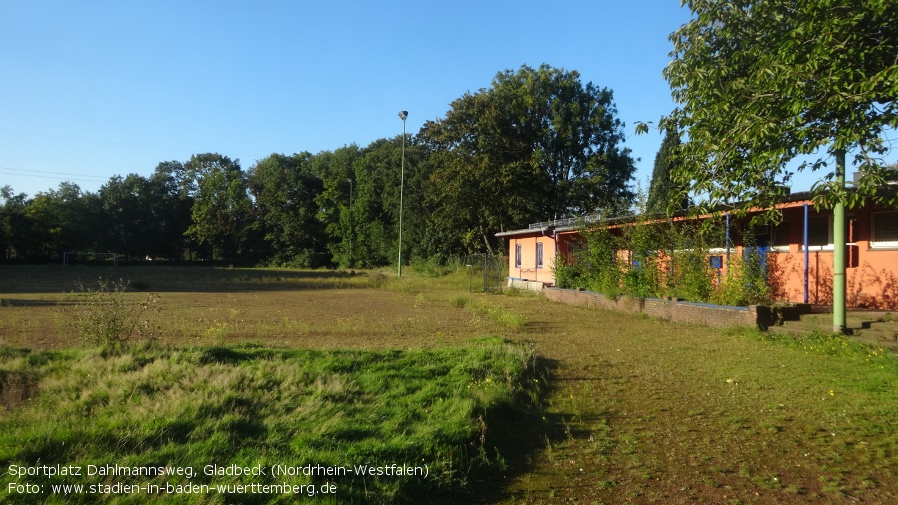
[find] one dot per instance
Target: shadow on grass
(24, 302)
(201, 279)
(518, 437)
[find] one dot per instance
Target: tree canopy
(760, 84)
(221, 207)
(538, 144)
(662, 186)
(284, 191)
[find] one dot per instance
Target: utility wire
(15, 171)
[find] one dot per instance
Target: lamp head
(403, 114)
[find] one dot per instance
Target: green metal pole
(401, 185)
(839, 292)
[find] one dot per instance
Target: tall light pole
(402, 115)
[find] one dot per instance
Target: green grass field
(506, 398)
(439, 411)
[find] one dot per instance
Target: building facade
(797, 253)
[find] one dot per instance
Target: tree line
(537, 144)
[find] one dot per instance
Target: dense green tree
(372, 226)
(538, 144)
(336, 212)
(125, 215)
(284, 194)
(661, 187)
(171, 207)
(574, 139)
(479, 183)
(14, 232)
(58, 221)
(761, 83)
(221, 207)
(140, 218)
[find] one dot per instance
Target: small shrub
(569, 276)
(502, 315)
(105, 316)
(377, 280)
(745, 283)
(691, 279)
(431, 267)
(460, 302)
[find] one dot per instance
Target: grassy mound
(419, 421)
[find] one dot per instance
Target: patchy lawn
(636, 410)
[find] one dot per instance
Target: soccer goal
(70, 258)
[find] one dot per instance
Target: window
(779, 237)
(885, 229)
(820, 233)
(760, 236)
(539, 255)
(576, 249)
(517, 256)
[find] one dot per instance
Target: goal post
(68, 256)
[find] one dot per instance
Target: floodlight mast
(403, 114)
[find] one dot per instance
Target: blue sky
(93, 89)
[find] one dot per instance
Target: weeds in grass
(216, 333)
(377, 280)
(460, 302)
(448, 408)
(105, 316)
(502, 315)
(825, 343)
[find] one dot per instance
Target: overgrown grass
(505, 316)
(105, 317)
(441, 409)
(636, 409)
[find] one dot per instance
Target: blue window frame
(517, 256)
(539, 255)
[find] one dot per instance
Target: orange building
(799, 253)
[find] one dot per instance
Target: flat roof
(575, 223)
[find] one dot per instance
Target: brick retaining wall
(669, 310)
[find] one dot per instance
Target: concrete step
(875, 328)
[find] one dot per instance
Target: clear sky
(93, 89)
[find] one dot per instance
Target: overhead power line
(27, 173)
